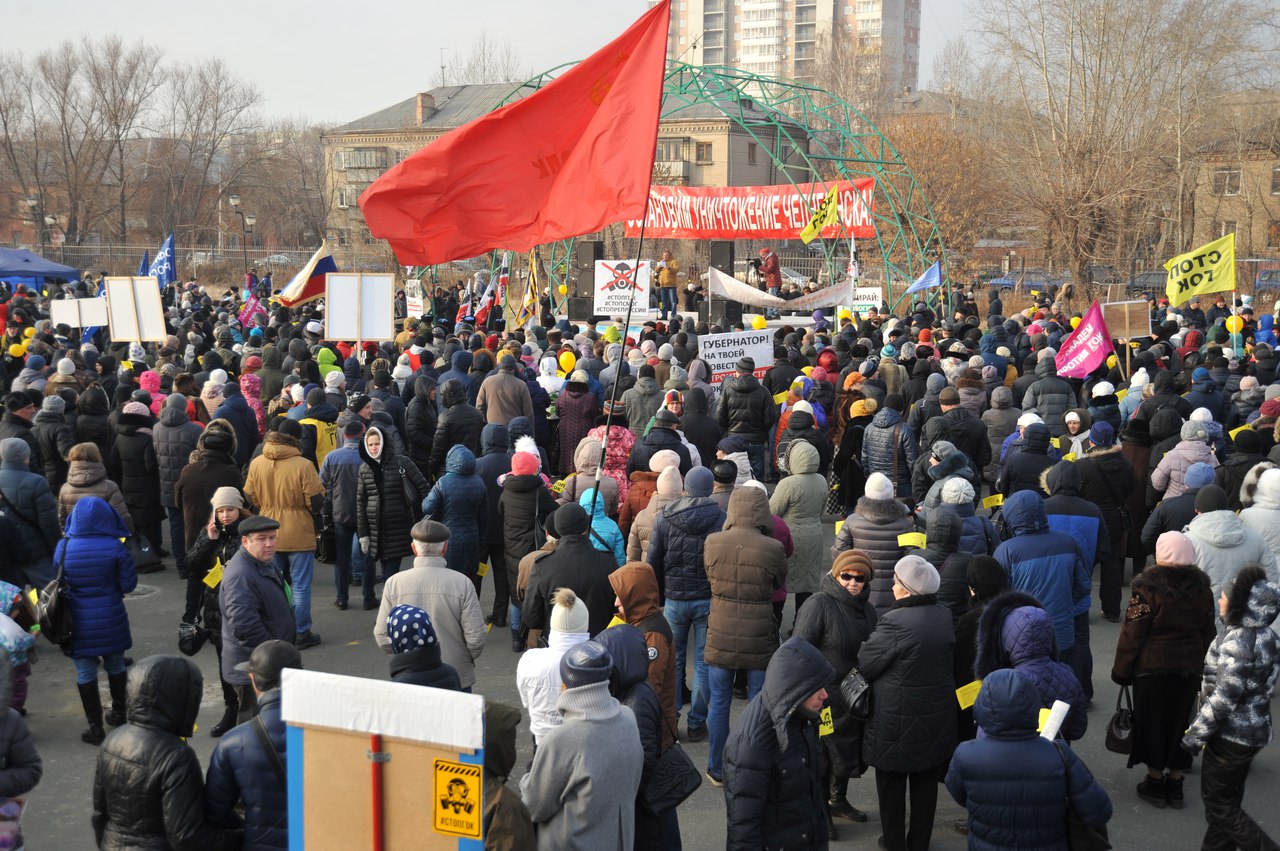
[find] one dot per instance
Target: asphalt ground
(58, 816)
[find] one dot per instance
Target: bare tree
(290, 181)
(852, 72)
(488, 61)
(123, 80)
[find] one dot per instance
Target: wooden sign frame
(359, 306)
(135, 312)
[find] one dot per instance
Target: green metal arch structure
(811, 136)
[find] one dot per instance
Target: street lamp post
(247, 221)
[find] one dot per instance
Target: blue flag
(932, 277)
(145, 265)
(163, 267)
(86, 334)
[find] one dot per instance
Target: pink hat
(135, 408)
(1175, 548)
(525, 464)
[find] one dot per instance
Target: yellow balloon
(1075, 322)
(758, 323)
(562, 289)
(28, 333)
(807, 370)
(567, 362)
(1235, 324)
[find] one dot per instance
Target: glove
(364, 545)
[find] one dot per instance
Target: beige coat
(89, 478)
(503, 397)
(281, 483)
(450, 599)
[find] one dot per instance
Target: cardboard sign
(135, 313)
(721, 352)
(359, 307)
(79, 312)
(617, 282)
(865, 298)
(1127, 319)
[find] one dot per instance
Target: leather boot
(117, 682)
(232, 702)
(91, 700)
(838, 801)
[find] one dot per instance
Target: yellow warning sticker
(825, 725)
(458, 800)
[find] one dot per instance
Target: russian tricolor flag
(308, 284)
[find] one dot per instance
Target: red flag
(569, 159)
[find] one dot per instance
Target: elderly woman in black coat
(134, 467)
(912, 732)
(389, 491)
(837, 620)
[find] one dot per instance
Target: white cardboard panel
(136, 314)
(359, 307)
(79, 312)
(452, 719)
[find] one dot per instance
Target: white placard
(721, 352)
(865, 298)
(79, 312)
(359, 307)
(614, 281)
(135, 313)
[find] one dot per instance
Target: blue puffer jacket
(878, 447)
(1011, 781)
(235, 410)
(605, 535)
(978, 534)
(1047, 565)
(676, 545)
(495, 459)
(459, 367)
(1073, 515)
(1016, 632)
(98, 572)
(241, 770)
(460, 501)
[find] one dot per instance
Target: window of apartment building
(346, 198)
(670, 151)
(1221, 229)
(1226, 181)
(703, 150)
(1275, 180)
(1273, 234)
(364, 158)
(751, 153)
(340, 236)
(367, 237)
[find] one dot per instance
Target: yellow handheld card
(215, 575)
(993, 501)
(912, 539)
(484, 569)
(825, 725)
(967, 694)
(1236, 431)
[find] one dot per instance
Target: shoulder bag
(673, 779)
(52, 611)
(269, 747)
(145, 558)
(1080, 836)
(855, 692)
(1120, 727)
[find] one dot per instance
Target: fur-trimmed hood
(880, 511)
(1252, 602)
(1174, 581)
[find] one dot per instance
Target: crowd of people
(643, 527)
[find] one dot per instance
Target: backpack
(318, 439)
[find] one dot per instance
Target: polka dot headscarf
(410, 629)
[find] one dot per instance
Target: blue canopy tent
(19, 266)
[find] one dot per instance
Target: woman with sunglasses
(837, 620)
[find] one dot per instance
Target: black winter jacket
(746, 408)
(495, 461)
(1022, 469)
(775, 791)
(458, 423)
(655, 441)
(389, 492)
(173, 439)
(420, 420)
(942, 550)
(888, 436)
(908, 661)
(55, 438)
(676, 546)
(965, 431)
(424, 667)
(12, 425)
(133, 466)
(837, 622)
(523, 506)
(241, 770)
(147, 790)
(574, 564)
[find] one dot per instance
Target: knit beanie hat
(916, 575)
(1139, 380)
(53, 404)
(699, 482)
(571, 519)
(1248, 442)
(1175, 548)
(1211, 498)
(669, 482)
(1249, 382)
(136, 408)
(1103, 388)
(524, 464)
(1194, 430)
(36, 362)
(410, 629)
(956, 491)
(852, 561)
(66, 366)
(568, 612)
(662, 459)
(227, 497)
(1029, 418)
(878, 487)
(1197, 476)
(14, 450)
(334, 379)
(1102, 434)
(218, 376)
(666, 352)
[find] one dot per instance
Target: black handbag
(52, 611)
(326, 543)
(1080, 835)
(1120, 728)
(191, 637)
(673, 779)
(145, 558)
(855, 693)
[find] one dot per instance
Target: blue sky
(333, 62)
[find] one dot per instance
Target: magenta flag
(1087, 347)
(251, 306)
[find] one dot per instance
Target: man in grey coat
(503, 396)
(174, 438)
(581, 791)
(254, 606)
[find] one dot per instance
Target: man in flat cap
(448, 596)
(255, 607)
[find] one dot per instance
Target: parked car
(279, 260)
(1147, 282)
(1029, 279)
(1268, 279)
